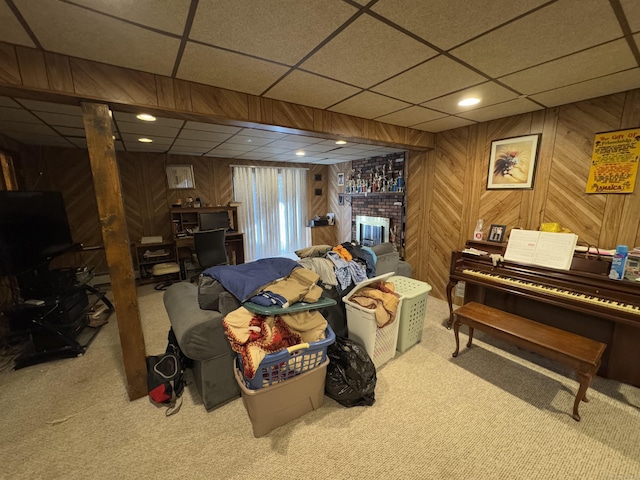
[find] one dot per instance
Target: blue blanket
(245, 280)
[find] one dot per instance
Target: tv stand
(64, 325)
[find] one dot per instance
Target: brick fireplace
(384, 205)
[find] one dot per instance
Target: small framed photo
(340, 199)
(341, 179)
(317, 177)
(512, 163)
(496, 233)
(180, 176)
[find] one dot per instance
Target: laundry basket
(380, 343)
(414, 308)
(289, 362)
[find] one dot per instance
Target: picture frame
(180, 177)
(496, 233)
(341, 179)
(340, 199)
(512, 162)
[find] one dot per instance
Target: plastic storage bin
(297, 359)
(380, 343)
(273, 406)
(414, 308)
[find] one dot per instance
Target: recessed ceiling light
(146, 117)
(300, 153)
(341, 142)
(145, 140)
(469, 101)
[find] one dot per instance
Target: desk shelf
(145, 263)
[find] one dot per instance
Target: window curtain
(273, 210)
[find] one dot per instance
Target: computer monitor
(214, 220)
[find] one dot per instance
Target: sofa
(196, 313)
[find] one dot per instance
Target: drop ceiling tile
(270, 150)
(446, 23)
(556, 30)
(44, 140)
(285, 144)
(235, 147)
(176, 150)
(196, 65)
(147, 128)
(251, 156)
(181, 142)
(211, 127)
(410, 116)
(71, 132)
(18, 115)
(632, 12)
(9, 102)
(432, 79)
(442, 124)
(12, 30)
(617, 82)
(38, 106)
(311, 90)
(302, 139)
(217, 152)
(167, 15)
(161, 121)
(320, 148)
(131, 139)
(264, 134)
(61, 120)
(145, 148)
(203, 135)
(488, 92)
(367, 52)
(280, 30)
(595, 62)
(78, 142)
(499, 110)
(74, 31)
(368, 105)
(23, 127)
(247, 140)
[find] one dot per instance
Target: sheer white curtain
(273, 211)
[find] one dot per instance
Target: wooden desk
(234, 242)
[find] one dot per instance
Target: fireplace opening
(372, 231)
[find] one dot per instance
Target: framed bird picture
(512, 163)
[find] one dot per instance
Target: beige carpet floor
(493, 413)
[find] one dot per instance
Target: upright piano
(582, 300)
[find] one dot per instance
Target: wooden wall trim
(38, 74)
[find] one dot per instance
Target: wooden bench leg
(581, 396)
(456, 332)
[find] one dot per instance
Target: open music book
(546, 249)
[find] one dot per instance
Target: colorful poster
(614, 162)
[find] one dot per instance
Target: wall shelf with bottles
(384, 178)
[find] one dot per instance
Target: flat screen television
(214, 220)
(33, 230)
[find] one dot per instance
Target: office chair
(210, 248)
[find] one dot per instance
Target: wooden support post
(106, 181)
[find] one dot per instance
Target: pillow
(313, 251)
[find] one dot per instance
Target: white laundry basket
(414, 308)
(380, 343)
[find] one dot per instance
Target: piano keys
(577, 300)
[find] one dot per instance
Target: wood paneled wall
(147, 199)
(447, 187)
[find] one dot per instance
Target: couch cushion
(209, 290)
(199, 332)
(382, 248)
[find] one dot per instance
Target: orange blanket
(381, 298)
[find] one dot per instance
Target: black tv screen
(214, 220)
(33, 230)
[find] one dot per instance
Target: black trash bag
(351, 374)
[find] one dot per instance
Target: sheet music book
(546, 249)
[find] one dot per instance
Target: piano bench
(577, 352)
